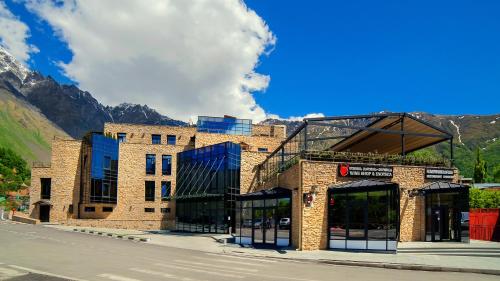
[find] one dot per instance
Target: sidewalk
(478, 256)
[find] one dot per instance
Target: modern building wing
(348, 182)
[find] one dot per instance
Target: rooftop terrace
(378, 138)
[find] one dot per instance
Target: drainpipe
(301, 204)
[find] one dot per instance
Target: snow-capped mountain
(75, 111)
(9, 63)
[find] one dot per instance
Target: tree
(13, 171)
(496, 173)
(479, 168)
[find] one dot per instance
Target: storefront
(446, 207)
(264, 218)
(363, 215)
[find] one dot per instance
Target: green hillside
(25, 130)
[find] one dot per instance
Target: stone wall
(65, 180)
(143, 133)
(253, 142)
(278, 131)
(249, 162)
(321, 175)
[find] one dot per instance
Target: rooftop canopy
(384, 138)
(389, 133)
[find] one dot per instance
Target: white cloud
(13, 35)
(181, 57)
(296, 118)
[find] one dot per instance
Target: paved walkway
(479, 255)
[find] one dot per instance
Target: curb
(112, 235)
(398, 266)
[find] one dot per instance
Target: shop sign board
(368, 171)
(439, 173)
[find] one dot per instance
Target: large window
(166, 165)
(165, 190)
(150, 164)
(104, 169)
(364, 218)
(156, 139)
(171, 139)
(208, 180)
(149, 191)
(46, 187)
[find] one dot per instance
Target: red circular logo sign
(344, 170)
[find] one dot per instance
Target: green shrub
(480, 198)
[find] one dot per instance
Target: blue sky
(349, 57)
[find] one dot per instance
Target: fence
(485, 224)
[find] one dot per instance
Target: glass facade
(366, 218)
(264, 220)
(104, 169)
(224, 125)
(208, 181)
(444, 212)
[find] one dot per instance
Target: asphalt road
(34, 252)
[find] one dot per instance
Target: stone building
(350, 182)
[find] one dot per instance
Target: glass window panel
(156, 139)
(149, 191)
(150, 164)
(337, 216)
(171, 139)
(166, 165)
(356, 215)
(377, 215)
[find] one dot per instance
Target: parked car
(284, 223)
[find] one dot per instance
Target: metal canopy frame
(350, 128)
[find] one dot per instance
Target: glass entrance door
(264, 226)
(437, 224)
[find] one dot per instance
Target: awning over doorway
(436, 187)
(275, 192)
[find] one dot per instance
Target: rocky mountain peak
(8, 63)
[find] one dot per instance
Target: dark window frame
(166, 165)
(171, 139)
(122, 137)
(165, 210)
(89, 209)
(169, 188)
(107, 209)
(150, 170)
(155, 139)
(45, 188)
(149, 191)
(149, 210)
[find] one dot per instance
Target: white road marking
(116, 277)
(233, 262)
(194, 269)
(45, 273)
(165, 275)
(232, 271)
(8, 273)
(241, 258)
(214, 266)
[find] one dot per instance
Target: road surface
(35, 252)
